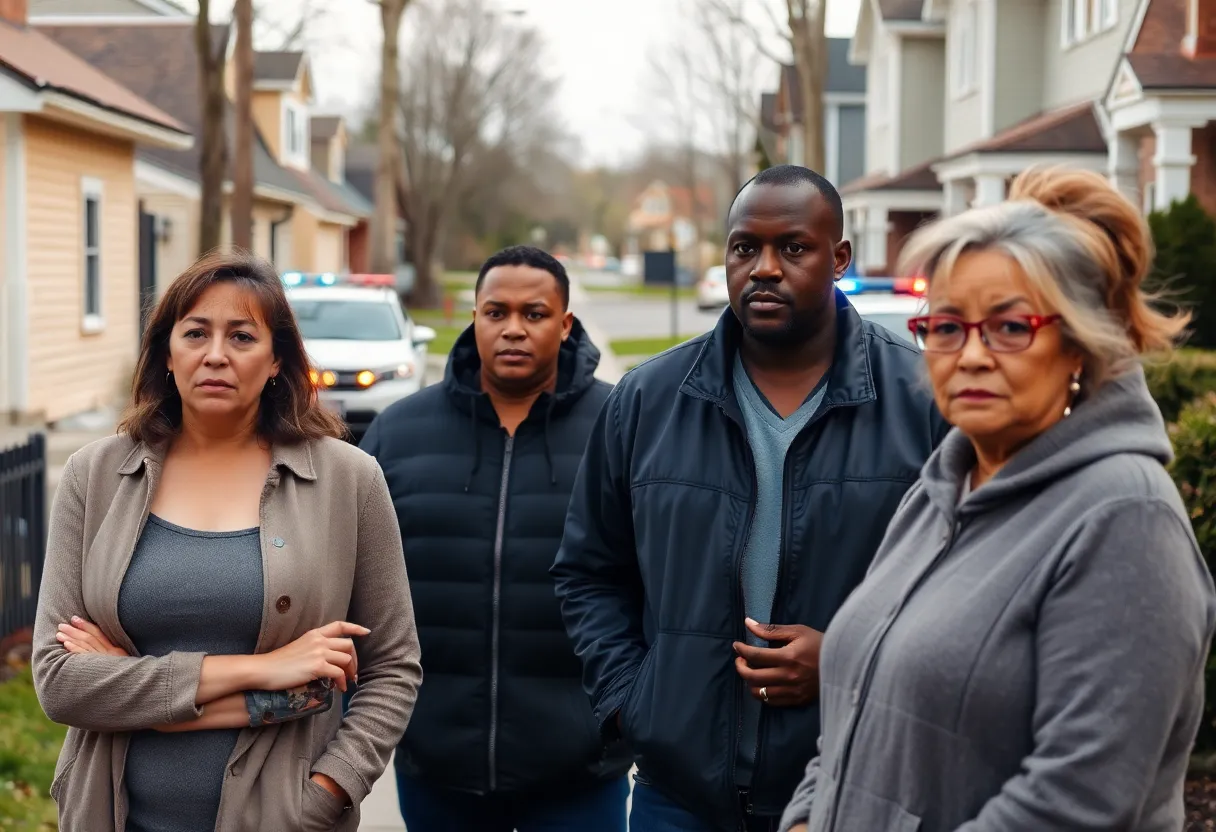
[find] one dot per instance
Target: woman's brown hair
(289, 411)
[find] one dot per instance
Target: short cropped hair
(787, 175)
(532, 257)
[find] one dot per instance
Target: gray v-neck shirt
(192, 591)
(770, 438)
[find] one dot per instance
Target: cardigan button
(277, 543)
(283, 604)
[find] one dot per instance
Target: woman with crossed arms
(209, 572)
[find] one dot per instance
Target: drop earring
(1073, 389)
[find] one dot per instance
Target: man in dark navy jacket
(746, 476)
(480, 469)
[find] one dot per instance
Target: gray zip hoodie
(1030, 658)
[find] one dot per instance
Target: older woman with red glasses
(1027, 651)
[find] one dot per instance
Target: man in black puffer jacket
(480, 469)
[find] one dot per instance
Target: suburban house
(304, 218)
(71, 274)
(844, 118)
(1160, 105)
(956, 111)
(670, 218)
(905, 60)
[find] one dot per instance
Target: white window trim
(965, 52)
(301, 157)
(92, 188)
(1080, 15)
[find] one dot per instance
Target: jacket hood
(577, 362)
(1119, 418)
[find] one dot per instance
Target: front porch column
(1173, 160)
(14, 315)
(989, 189)
(1123, 165)
(874, 253)
(954, 197)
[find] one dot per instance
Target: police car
(888, 302)
(366, 352)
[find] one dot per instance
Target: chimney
(1200, 41)
(15, 11)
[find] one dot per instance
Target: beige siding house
(303, 218)
(69, 281)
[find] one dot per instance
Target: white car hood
(352, 356)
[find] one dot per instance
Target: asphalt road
(622, 315)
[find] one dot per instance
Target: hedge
(1194, 472)
(1188, 375)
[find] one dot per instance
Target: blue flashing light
(328, 279)
(293, 278)
(847, 285)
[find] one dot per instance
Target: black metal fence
(22, 531)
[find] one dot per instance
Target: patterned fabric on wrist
(270, 707)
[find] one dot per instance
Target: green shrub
(1194, 472)
(1185, 237)
(1187, 376)
(29, 746)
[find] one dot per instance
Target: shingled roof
(276, 66)
(44, 64)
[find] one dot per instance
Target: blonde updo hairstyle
(1086, 251)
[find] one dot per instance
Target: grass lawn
(646, 346)
(642, 290)
(29, 746)
(445, 333)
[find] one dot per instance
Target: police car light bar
(332, 279)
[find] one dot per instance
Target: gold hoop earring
(1073, 388)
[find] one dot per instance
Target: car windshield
(346, 320)
(896, 322)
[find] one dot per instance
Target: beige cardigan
(331, 550)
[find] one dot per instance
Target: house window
(295, 134)
(1086, 18)
(1075, 21)
(965, 53)
(91, 193)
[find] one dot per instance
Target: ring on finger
(764, 693)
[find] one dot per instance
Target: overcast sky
(598, 48)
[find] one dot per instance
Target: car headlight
(359, 379)
(366, 378)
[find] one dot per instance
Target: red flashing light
(371, 280)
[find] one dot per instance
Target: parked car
(711, 290)
(365, 350)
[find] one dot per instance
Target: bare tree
(242, 169)
(383, 241)
(730, 84)
(213, 159)
(472, 95)
(803, 29)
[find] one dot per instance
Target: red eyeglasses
(1000, 333)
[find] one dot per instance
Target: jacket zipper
(867, 677)
(496, 605)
